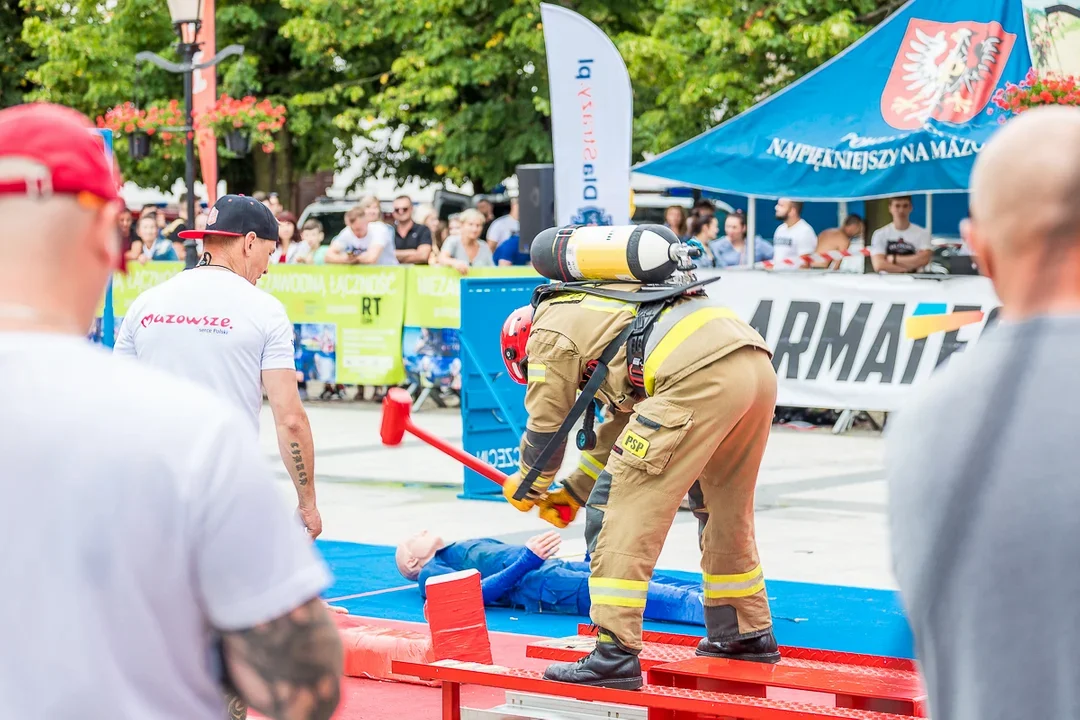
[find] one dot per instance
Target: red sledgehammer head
(395, 416)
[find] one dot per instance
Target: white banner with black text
(857, 342)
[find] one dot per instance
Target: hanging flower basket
(139, 126)
(256, 120)
(1033, 91)
(138, 145)
(237, 141)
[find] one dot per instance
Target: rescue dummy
(529, 577)
(691, 391)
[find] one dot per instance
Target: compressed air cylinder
(631, 253)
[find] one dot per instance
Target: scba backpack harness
(652, 301)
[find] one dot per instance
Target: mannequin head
(413, 554)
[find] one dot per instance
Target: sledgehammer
(397, 420)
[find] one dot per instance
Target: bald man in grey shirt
(984, 493)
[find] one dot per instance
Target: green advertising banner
(348, 320)
(139, 278)
(433, 297)
(348, 317)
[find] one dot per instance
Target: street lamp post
(186, 20)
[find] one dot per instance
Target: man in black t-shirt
(412, 242)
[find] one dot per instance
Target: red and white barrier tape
(814, 257)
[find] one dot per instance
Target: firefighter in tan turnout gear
(691, 392)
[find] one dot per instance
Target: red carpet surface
(375, 700)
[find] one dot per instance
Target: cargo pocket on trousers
(653, 435)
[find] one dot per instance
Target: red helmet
(515, 335)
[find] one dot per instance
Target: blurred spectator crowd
(415, 235)
(899, 247)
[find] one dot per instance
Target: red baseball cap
(48, 149)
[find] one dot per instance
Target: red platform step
(847, 680)
(663, 702)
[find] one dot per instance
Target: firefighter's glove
(534, 495)
(559, 507)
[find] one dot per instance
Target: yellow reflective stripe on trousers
(679, 332)
(619, 593)
(734, 586)
(588, 465)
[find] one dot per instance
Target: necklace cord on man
(204, 261)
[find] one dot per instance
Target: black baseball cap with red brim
(236, 216)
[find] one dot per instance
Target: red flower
(268, 147)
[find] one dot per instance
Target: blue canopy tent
(903, 111)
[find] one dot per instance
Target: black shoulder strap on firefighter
(583, 402)
(639, 336)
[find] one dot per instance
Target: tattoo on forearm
(237, 708)
(291, 666)
(298, 463)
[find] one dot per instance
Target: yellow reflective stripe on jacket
(594, 302)
(537, 372)
(734, 586)
(674, 337)
(588, 465)
(608, 305)
(617, 592)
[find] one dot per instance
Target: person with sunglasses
(412, 241)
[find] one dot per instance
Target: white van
(649, 208)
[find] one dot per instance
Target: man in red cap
(140, 578)
(211, 324)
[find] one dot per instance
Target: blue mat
(827, 617)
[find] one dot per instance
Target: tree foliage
(17, 59)
(439, 89)
(465, 94)
(88, 48)
(707, 60)
(462, 90)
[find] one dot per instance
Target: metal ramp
(530, 706)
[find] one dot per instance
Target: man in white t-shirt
(901, 246)
(362, 241)
(212, 325)
(149, 566)
(794, 238)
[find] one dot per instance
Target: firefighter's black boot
(609, 665)
(722, 638)
(759, 649)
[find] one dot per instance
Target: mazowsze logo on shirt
(205, 323)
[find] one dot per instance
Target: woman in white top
(287, 248)
(465, 250)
